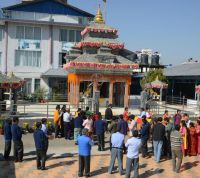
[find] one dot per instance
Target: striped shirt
(176, 140)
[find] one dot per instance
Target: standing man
(78, 121)
(177, 118)
(117, 141)
(57, 120)
(17, 140)
(67, 124)
(8, 138)
(144, 136)
(176, 141)
(112, 128)
(100, 127)
(133, 144)
(108, 112)
(84, 148)
(187, 120)
(158, 137)
(40, 141)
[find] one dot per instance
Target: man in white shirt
(133, 144)
(117, 140)
(67, 125)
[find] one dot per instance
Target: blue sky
(169, 26)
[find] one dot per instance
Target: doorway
(118, 94)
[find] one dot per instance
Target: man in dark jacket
(158, 136)
(100, 127)
(144, 136)
(108, 112)
(8, 138)
(78, 122)
(40, 140)
(17, 140)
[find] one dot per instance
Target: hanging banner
(29, 44)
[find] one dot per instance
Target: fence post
(183, 102)
(24, 110)
(47, 109)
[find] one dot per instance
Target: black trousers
(18, 150)
(7, 149)
(67, 130)
(57, 130)
(101, 143)
(144, 148)
(41, 158)
(84, 165)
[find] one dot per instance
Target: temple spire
(99, 16)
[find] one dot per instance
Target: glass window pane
(78, 36)
(37, 33)
(1, 33)
(37, 84)
(20, 32)
(29, 33)
(63, 35)
(71, 36)
(0, 59)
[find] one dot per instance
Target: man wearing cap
(84, 149)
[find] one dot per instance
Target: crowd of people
(171, 136)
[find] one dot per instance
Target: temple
(95, 64)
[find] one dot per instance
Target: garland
(99, 66)
(98, 44)
(98, 30)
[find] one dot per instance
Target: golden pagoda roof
(99, 16)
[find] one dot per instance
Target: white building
(34, 38)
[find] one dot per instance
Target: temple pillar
(111, 92)
(77, 94)
(126, 95)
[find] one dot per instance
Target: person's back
(39, 138)
(158, 131)
(84, 145)
(99, 126)
(133, 145)
(123, 126)
(16, 132)
(176, 140)
(145, 130)
(78, 121)
(108, 113)
(117, 140)
(7, 131)
(113, 126)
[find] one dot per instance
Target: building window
(71, 35)
(78, 36)
(27, 86)
(37, 84)
(29, 33)
(0, 58)
(1, 33)
(63, 35)
(28, 58)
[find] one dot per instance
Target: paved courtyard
(63, 163)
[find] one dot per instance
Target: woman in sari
(193, 140)
(198, 137)
(184, 134)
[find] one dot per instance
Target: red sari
(193, 142)
(198, 138)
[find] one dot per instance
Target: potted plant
(40, 94)
(1, 127)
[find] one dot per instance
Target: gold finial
(99, 16)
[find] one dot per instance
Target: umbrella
(156, 84)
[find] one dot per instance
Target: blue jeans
(157, 149)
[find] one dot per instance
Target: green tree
(151, 76)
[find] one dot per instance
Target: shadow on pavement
(189, 165)
(102, 170)
(151, 172)
(7, 168)
(64, 163)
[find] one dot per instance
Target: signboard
(29, 44)
(67, 46)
